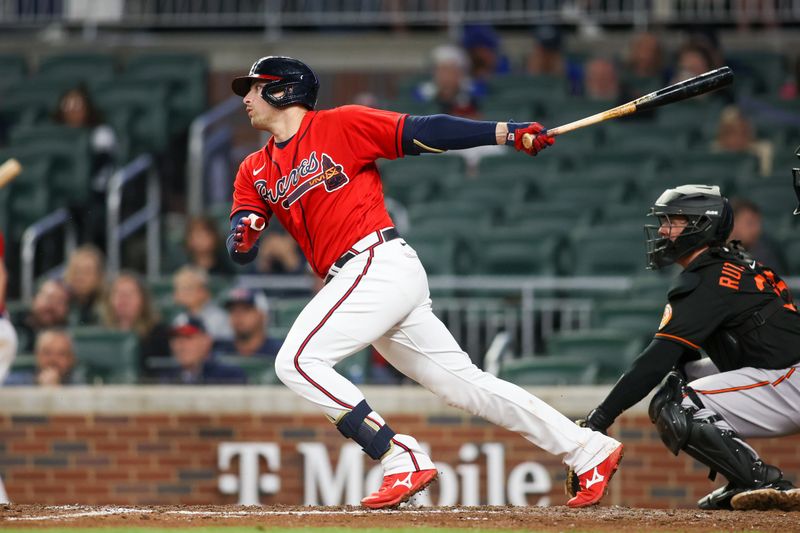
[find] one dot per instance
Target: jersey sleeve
(689, 319)
(245, 195)
(371, 133)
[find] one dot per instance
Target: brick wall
(172, 458)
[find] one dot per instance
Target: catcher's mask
(288, 81)
(796, 176)
(709, 221)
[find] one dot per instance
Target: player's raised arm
(440, 133)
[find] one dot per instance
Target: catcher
(739, 313)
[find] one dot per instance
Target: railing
(119, 230)
(60, 218)
(204, 144)
(273, 15)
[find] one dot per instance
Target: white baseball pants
(381, 297)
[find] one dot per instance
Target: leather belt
(388, 234)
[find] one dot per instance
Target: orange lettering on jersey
(760, 282)
(730, 276)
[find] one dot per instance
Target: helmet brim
(241, 85)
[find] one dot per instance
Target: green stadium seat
(550, 371)
(772, 196)
(76, 68)
(585, 191)
(721, 167)
(763, 69)
(28, 197)
(259, 370)
(109, 357)
(791, 251)
(416, 179)
(612, 350)
(522, 258)
(23, 362)
(438, 254)
(25, 104)
(356, 367)
(69, 150)
(652, 285)
(637, 316)
(703, 111)
(12, 70)
(599, 254)
(186, 75)
(138, 109)
(286, 310)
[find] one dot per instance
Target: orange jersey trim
(679, 339)
(751, 386)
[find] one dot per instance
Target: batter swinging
(317, 175)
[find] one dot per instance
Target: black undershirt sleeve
(439, 133)
(645, 373)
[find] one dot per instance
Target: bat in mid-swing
(704, 83)
(8, 171)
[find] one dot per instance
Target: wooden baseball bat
(704, 83)
(8, 171)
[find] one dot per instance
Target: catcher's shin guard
(717, 448)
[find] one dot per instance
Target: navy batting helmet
(294, 78)
(710, 221)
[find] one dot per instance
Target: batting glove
(247, 232)
(540, 138)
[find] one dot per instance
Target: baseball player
(8, 335)
(742, 316)
(317, 175)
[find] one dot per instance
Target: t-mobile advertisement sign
(353, 475)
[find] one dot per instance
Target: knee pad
(671, 390)
(373, 440)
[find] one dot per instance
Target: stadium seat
(521, 258)
(12, 70)
(437, 254)
(550, 370)
(69, 150)
(27, 198)
(286, 310)
(762, 69)
(639, 317)
(140, 110)
(76, 68)
(598, 254)
(612, 350)
(259, 370)
(109, 357)
(25, 104)
(417, 179)
(186, 76)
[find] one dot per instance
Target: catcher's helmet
(297, 81)
(710, 221)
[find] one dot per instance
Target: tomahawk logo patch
(331, 175)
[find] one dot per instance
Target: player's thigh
(367, 298)
(755, 402)
(422, 348)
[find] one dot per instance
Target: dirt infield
(531, 518)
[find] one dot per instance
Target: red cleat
(398, 488)
(592, 484)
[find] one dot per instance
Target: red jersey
(323, 184)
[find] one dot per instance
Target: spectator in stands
(249, 312)
(191, 291)
(791, 89)
(129, 306)
(85, 279)
(50, 309)
(279, 254)
(205, 247)
(601, 81)
(451, 89)
(486, 59)
(8, 335)
(693, 60)
(748, 229)
(55, 362)
(76, 110)
(735, 134)
(646, 58)
(191, 347)
(548, 59)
